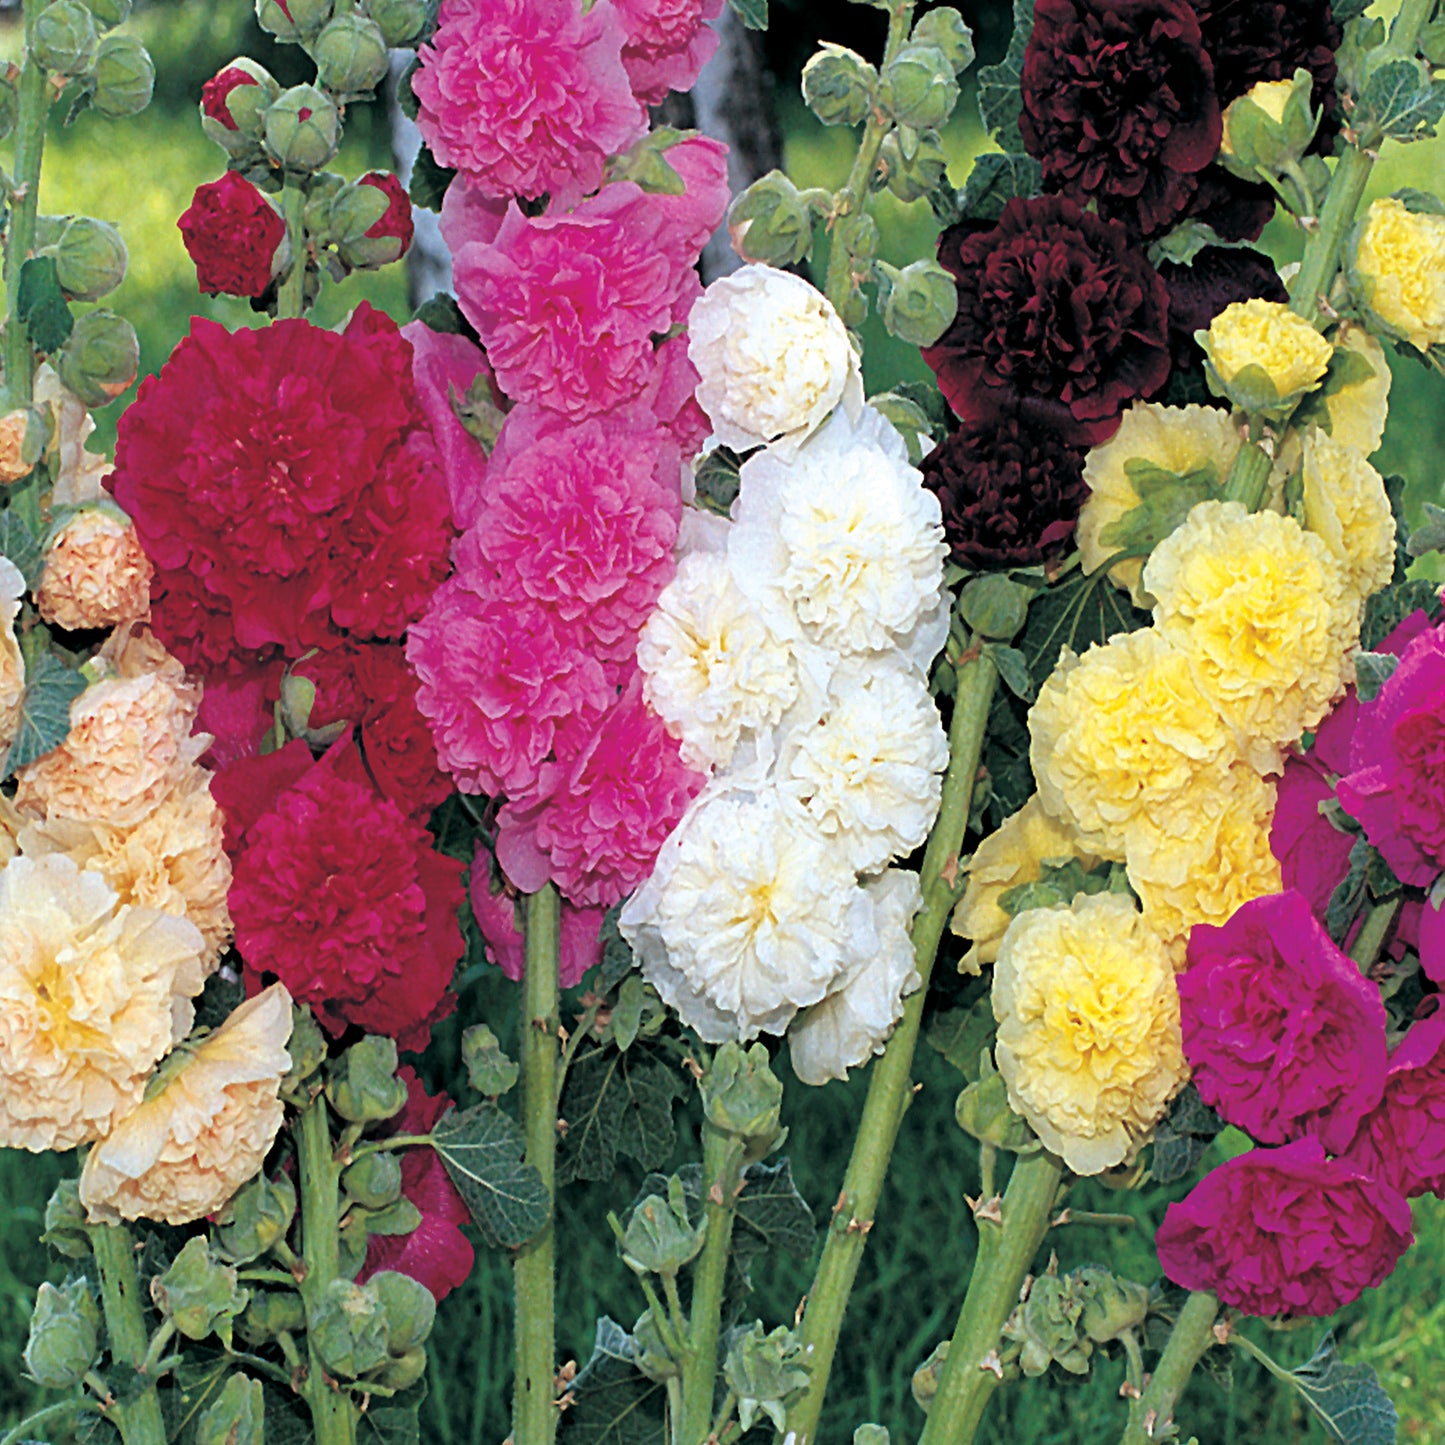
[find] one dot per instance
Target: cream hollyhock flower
(749, 916)
(1263, 611)
(1088, 1028)
(844, 543)
(1400, 263)
(1120, 734)
(866, 761)
(773, 356)
(77, 475)
(14, 428)
(857, 1017)
(1356, 412)
(1346, 504)
(1269, 336)
(12, 663)
(712, 670)
(1008, 858)
(92, 994)
(96, 572)
(205, 1127)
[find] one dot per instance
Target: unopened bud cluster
(69, 40)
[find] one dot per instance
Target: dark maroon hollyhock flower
(1119, 106)
(217, 88)
(231, 233)
(1198, 292)
(397, 220)
(1010, 492)
(1060, 319)
(1235, 209)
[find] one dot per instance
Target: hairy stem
(1193, 1333)
(291, 300)
(139, 1419)
(1248, 479)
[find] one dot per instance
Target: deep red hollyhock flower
(436, 1253)
(286, 487)
(1198, 292)
(1060, 317)
(1119, 105)
(217, 88)
(397, 221)
(338, 894)
(231, 233)
(1010, 492)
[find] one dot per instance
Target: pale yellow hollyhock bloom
(12, 663)
(1267, 334)
(1346, 504)
(1400, 259)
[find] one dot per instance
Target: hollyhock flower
(1285, 1231)
(285, 485)
(1313, 854)
(1266, 336)
(77, 475)
(92, 994)
(1088, 1028)
(1400, 262)
(218, 87)
(1285, 1036)
(496, 915)
(1430, 940)
(436, 1253)
(1402, 1141)
(527, 96)
(1354, 415)
(12, 662)
(396, 221)
(598, 816)
(339, 895)
(232, 233)
(1345, 503)
(1010, 492)
(691, 217)
(1119, 105)
(96, 573)
(1057, 312)
(237, 710)
(668, 43)
(1200, 290)
(204, 1131)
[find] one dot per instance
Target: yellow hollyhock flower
(1400, 265)
(1345, 503)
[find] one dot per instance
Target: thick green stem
(534, 1413)
(1248, 479)
(1005, 1251)
(291, 300)
(140, 1420)
(889, 1089)
(50, 1415)
(333, 1416)
(1193, 1333)
(1379, 920)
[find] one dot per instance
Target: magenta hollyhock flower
(496, 915)
(1284, 1035)
(1313, 854)
(672, 398)
(217, 88)
(1285, 1231)
(668, 43)
(527, 96)
(1402, 1141)
(469, 214)
(1430, 941)
(238, 709)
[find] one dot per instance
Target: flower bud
(910, 421)
(983, 1111)
(944, 27)
(401, 1372)
(64, 38)
(307, 1047)
(925, 1377)
(256, 1218)
(109, 13)
(410, 1309)
(918, 303)
(347, 1329)
(64, 1335)
(839, 86)
(272, 1312)
(918, 87)
(1263, 357)
(9, 108)
(659, 1238)
(400, 21)
(374, 1181)
(490, 1071)
(742, 1096)
(764, 1371)
(649, 1353)
(238, 1416)
(65, 1230)
(772, 221)
(914, 165)
(100, 358)
(1046, 1325)
(199, 1294)
(233, 107)
(1270, 128)
(303, 129)
(293, 20)
(350, 55)
(124, 76)
(388, 237)
(23, 436)
(1111, 1305)
(857, 234)
(90, 259)
(362, 1084)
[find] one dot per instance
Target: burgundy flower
(396, 221)
(1119, 105)
(1059, 317)
(217, 88)
(1198, 292)
(231, 233)
(1402, 1142)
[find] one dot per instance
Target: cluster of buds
(71, 39)
(1267, 132)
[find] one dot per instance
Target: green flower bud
(9, 108)
(1112, 1305)
(925, 1377)
(124, 76)
(1269, 128)
(402, 1371)
(910, 421)
(374, 1181)
(491, 1072)
(918, 87)
(347, 1329)
(246, 105)
(947, 29)
(983, 1111)
(238, 1416)
(109, 13)
(914, 165)
(65, 1229)
(271, 1313)
(100, 358)
(649, 1353)
(64, 38)
(303, 129)
(256, 1218)
(871, 1435)
(410, 1309)
(199, 1294)
(918, 303)
(400, 21)
(772, 221)
(64, 1335)
(857, 234)
(90, 259)
(742, 1096)
(293, 20)
(660, 1238)
(362, 1084)
(307, 1047)
(350, 55)
(354, 210)
(1046, 1326)
(764, 1371)
(839, 86)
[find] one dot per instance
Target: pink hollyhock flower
(601, 813)
(527, 96)
(692, 217)
(497, 678)
(436, 1253)
(1430, 941)
(238, 709)
(581, 519)
(668, 43)
(1285, 1231)
(496, 915)
(1402, 1142)
(672, 398)
(1313, 854)
(469, 214)
(1285, 1036)
(338, 894)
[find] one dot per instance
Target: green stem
(1005, 1251)
(889, 1089)
(1379, 920)
(1193, 1333)
(333, 1416)
(139, 1419)
(534, 1414)
(1248, 479)
(291, 300)
(48, 1416)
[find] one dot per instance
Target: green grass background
(140, 174)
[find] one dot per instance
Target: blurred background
(140, 175)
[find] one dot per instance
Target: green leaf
(1347, 9)
(443, 314)
(962, 1034)
(1187, 240)
(41, 305)
(1000, 97)
(627, 1015)
(617, 1103)
(1076, 613)
(753, 13)
(772, 1214)
(1402, 101)
(1181, 1139)
(1349, 895)
(1372, 671)
(1429, 536)
(1386, 610)
(1348, 1400)
(429, 181)
(994, 181)
(1013, 670)
(612, 1401)
(1009, 776)
(50, 688)
(718, 477)
(406, 96)
(482, 1149)
(389, 1422)
(21, 546)
(617, 957)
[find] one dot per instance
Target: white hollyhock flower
(773, 356)
(855, 1020)
(750, 915)
(843, 542)
(867, 762)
